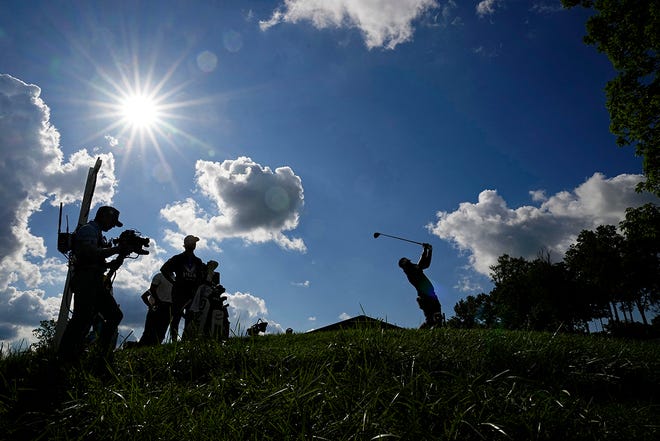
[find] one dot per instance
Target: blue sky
(286, 133)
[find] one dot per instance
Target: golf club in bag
(209, 316)
(377, 235)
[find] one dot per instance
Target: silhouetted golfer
(426, 298)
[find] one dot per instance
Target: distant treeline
(605, 276)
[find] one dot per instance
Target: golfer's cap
(102, 211)
(190, 240)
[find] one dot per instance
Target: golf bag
(258, 328)
(208, 314)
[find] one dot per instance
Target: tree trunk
(630, 308)
(625, 310)
(616, 313)
(641, 312)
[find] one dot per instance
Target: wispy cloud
(488, 7)
(468, 285)
(112, 141)
(384, 23)
(547, 7)
(344, 316)
(304, 284)
(489, 228)
(491, 52)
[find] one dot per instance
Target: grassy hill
(346, 385)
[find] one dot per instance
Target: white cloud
(304, 284)
(383, 23)
(246, 303)
(447, 15)
(547, 7)
(112, 141)
(32, 171)
(251, 202)
(311, 319)
(538, 195)
(487, 7)
(274, 327)
(344, 316)
(489, 228)
(468, 285)
(245, 309)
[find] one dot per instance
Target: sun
(140, 111)
(143, 110)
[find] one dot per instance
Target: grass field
(442, 384)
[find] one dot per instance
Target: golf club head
(376, 235)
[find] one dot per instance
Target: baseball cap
(190, 240)
(211, 265)
(102, 211)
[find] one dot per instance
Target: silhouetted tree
(465, 311)
(596, 262)
(555, 302)
(538, 295)
(603, 273)
(45, 335)
(510, 295)
(641, 260)
(628, 32)
(473, 312)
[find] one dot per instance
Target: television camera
(130, 241)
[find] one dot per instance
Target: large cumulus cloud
(249, 201)
(383, 23)
(489, 228)
(32, 172)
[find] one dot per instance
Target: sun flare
(143, 112)
(139, 111)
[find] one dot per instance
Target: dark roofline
(361, 321)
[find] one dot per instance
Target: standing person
(158, 299)
(185, 272)
(92, 295)
(426, 298)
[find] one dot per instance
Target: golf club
(376, 235)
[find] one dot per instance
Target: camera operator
(92, 294)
